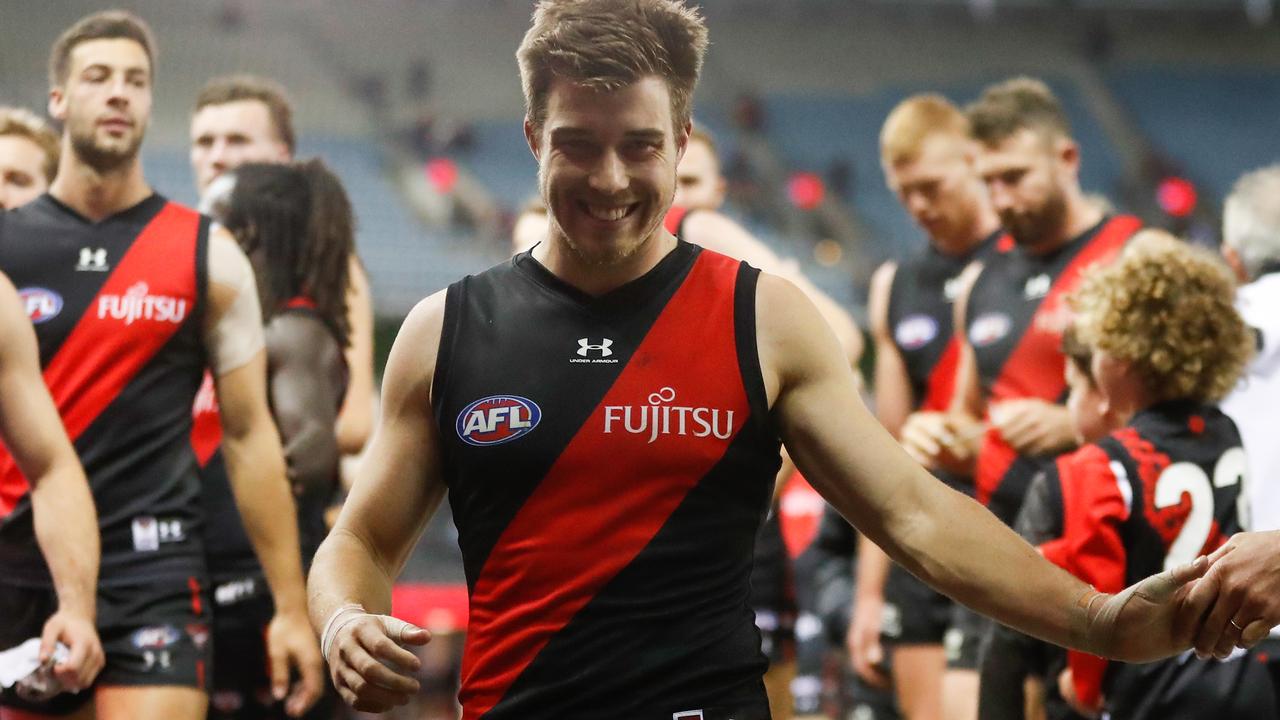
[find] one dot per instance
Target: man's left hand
(85, 657)
(1033, 427)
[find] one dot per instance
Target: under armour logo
(1037, 286)
(585, 346)
(93, 259)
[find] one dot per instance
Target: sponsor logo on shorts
(989, 328)
(497, 419)
(155, 637)
(138, 304)
(42, 304)
(659, 418)
(915, 331)
(230, 593)
(199, 634)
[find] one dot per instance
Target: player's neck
(597, 279)
(1081, 215)
(97, 195)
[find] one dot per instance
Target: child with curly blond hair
(1158, 343)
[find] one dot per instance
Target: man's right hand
(940, 441)
(863, 641)
(85, 658)
(369, 667)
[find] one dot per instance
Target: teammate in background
(244, 118)
(49, 500)
(1162, 479)
(295, 224)
(28, 156)
(607, 546)
(929, 163)
(1248, 578)
(1251, 246)
(1010, 312)
(530, 226)
(137, 297)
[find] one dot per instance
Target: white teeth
(610, 214)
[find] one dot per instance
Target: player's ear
(682, 139)
(57, 103)
(531, 137)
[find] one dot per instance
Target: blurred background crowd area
(416, 104)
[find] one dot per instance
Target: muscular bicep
(841, 449)
(29, 422)
(398, 484)
(232, 324)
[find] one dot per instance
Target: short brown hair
(236, 88)
(24, 123)
(913, 121)
(1021, 103)
(1167, 308)
(105, 25)
(610, 44)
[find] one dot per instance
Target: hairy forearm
(961, 549)
(66, 527)
(257, 476)
(347, 570)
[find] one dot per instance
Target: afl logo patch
(497, 419)
(915, 331)
(42, 305)
(989, 328)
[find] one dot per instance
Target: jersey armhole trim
(748, 351)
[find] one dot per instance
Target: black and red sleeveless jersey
(1153, 495)
(920, 318)
(227, 545)
(609, 460)
(1014, 320)
(117, 309)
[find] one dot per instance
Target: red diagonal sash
(1025, 373)
(607, 495)
(101, 355)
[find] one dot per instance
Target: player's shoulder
(1089, 462)
(299, 337)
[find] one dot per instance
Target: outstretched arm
(66, 524)
(941, 536)
(397, 489)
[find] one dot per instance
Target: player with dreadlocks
(294, 221)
